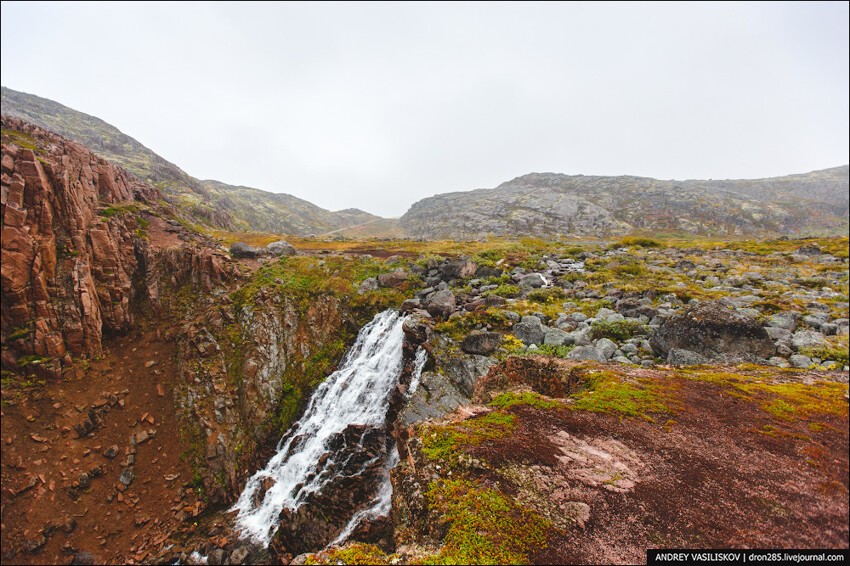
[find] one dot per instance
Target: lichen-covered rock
(711, 328)
(442, 304)
(529, 330)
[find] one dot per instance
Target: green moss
(835, 353)
(21, 139)
(547, 296)
(119, 210)
(32, 360)
(608, 392)
(787, 401)
(18, 333)
(485, 525)
(638, 241)
(619, 330)
(356, 553)
(444, 442)
(509, 399)
(458, 327)
(503, 290)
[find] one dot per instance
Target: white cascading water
(357, 393)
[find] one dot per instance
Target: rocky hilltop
(551, 205)
(210, 203)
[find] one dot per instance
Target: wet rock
(710, 328)
(435, 396)
(481, 343)
(281, 248)
(217, 556)
(239, 555)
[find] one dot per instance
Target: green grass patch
(510, 399)
(618, 330)
(443, 442)
(607, 392)
(356, 553)
(485, 525)
(21, 139)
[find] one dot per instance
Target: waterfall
(356, 394)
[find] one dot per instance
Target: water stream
(358, 393)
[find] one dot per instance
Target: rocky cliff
(549, 205)
(210, 203)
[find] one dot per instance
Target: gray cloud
(378, 105)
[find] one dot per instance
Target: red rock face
(68, 246)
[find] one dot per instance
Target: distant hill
(211, 203)
(552, 204)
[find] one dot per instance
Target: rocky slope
(550, 205)
(209, 203)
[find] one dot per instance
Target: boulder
(808, 339)
(441, 304)
(786, 320)
(711, 328)
(529, 330)
(481, 343)
(458, 269)
(394, 279)
(583, 353)
(370, 284)
(606, 347)
(280, 248)
(532, 281)
(556, 337)
(240, 250)
(679, 357)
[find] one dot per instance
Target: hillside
(550, 204)
(210, 203)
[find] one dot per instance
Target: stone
(239, 555)
(532, 281)
(441, 304)
(241, 250)
(583, 353)
(84, 559)
(127, 476)
(369, 284)
(800, 361)
(606, 347)
(809, 249)
(529, 330)
(481, 343)
(393, 280)
(808, 339)
(679, 357)
(556, 337)
(786, 320)
(710, 328)
(111, 452)
(281, 248)
(458, 269)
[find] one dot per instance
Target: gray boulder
(370, 284)
(679, 357)
(435, 396)
(240, 250)
(532, 281)
(710, 328)
(441, 304)
(786, 320)
(481, 343)
(458, 269)
(606, 347)
(281, 248)
(556, 337)
(800, 361)
(808, 339)
(583, 353)
(529, 330)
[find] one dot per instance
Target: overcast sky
(376, 106)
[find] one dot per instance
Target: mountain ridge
(208, 202)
